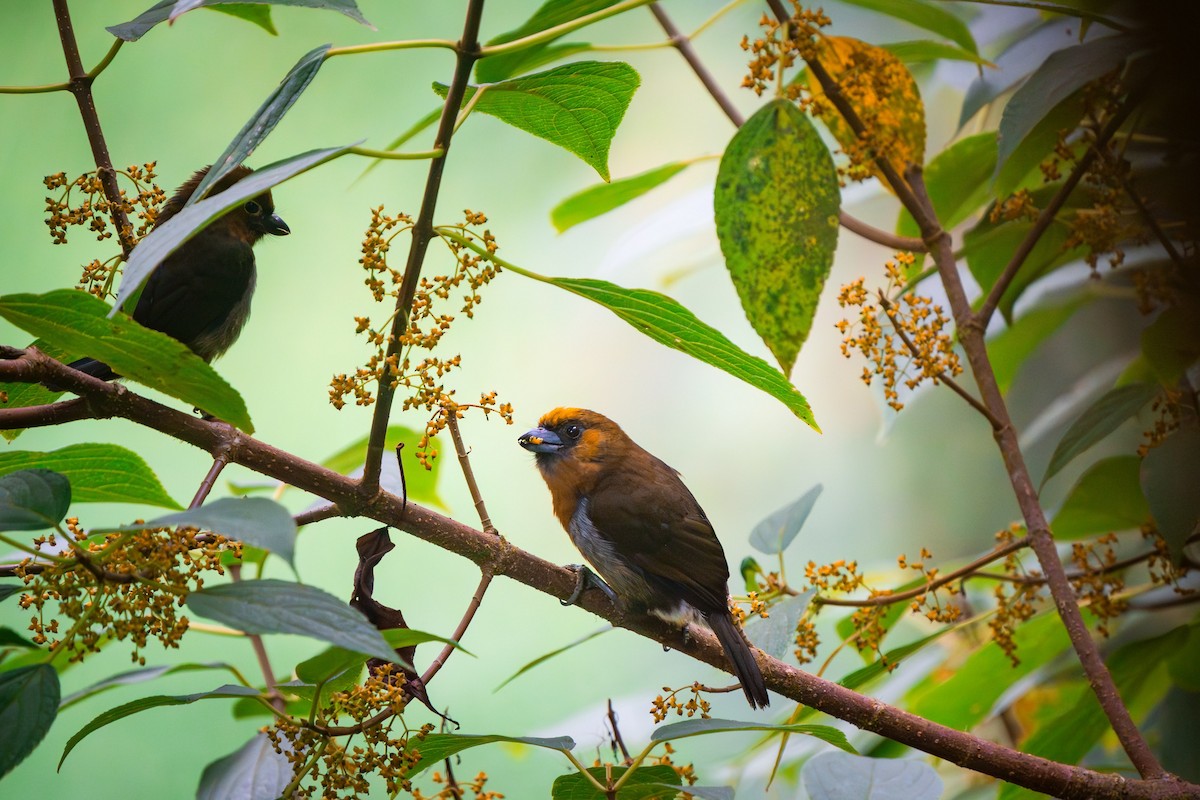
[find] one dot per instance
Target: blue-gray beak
(275, 226)
(540, 440)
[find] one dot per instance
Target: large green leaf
(776, 634)
(99, 473)
(658, 782)
(257, 15)
(33, 500)
(1108, 497)
(1099, 420)
(1021, 168)
(274, 606)
(264, 120)
(1170, 476)
(929, 16)
(776, 203)
(1171, 343)
(137, 27)
(147, 703)
(254, 770)
(604, 197)
(550, 14)
(255, 521)
(78, 322)
(1011, 348)
(921, 50)
(776, 532)
(28, 706)
(576, 106)
(839, 776)
(438, 746)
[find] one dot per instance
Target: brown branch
(616, 731)
(260, 653)
(485, 580)
(80, 85)
(968, 751)
(467, 52)
(468, 474)
(317, 514)
(210, 480)
(879, 236)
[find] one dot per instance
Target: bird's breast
(626, 579)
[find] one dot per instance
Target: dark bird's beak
(275, 226)
(540, 440)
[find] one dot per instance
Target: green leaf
(1108, 497)
(837, 776)
(420, 483)
(7, 590)
(172, 234)
(928, 16)
(1012, 347)
(1098, 421)
(1169, 479)
(602, 198)
(776, 203)
(9, 638)
(137, 27)
(1059, 77)
(776, 532)
(700, 727)
(1021, 168)
(138, 676)
(254, 520)
(1184, 663)
(146, 703)
(33, 500)
(77, 321)
(775, 634)
(24, 395)
(547, 656)
(659, 782)
(99, 473)
(957, 181)
(966, 697)
(438, 746)
(550, 14)
(274, 606)
(259, 126)
(254, 770)
(255, 14)
(28, 706)
(1171, 343)
(883, 666)
(921, 50)
(576, 106)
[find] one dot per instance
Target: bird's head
(574, 434)
(253, 219)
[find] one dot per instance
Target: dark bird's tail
(97, 369)
(737, 650)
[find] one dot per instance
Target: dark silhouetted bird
(200, 294)
(639, 526)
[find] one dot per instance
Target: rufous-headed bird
(200, 294)
(639, 526)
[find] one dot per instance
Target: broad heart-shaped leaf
(1011, 348)
(884, 95)
(274, 606)
(776, 204)
(137, 27)
(99, 473)
(659, 782)
(254, 770)
(1108, 497)
(437, 746)
(146, 703)
(264, 120)
(700, 727)
(33, 500)
(930, 16)
(957, 182)
(28, 706)
(604, 197)
(776, 532)
(78, 322)
(550, 14)
(840, 776)
(1170, 479)
(775, 634)
(172, 234)
(576, 106)
(1098, 421)
(254, 520)
(1059, 76)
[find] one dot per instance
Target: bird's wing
(197, 286)
(656, 523)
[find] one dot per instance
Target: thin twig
(616, 732)
(895, 241)
(318, 514)
(220, 461)
(485, 580)
(467, 53)
(684, 46)
(260, 652)
(464, 461)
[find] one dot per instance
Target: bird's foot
(686, 632)
(583, 578)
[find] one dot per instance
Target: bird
(637, 524)
(200, 294)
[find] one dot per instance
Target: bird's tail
(97, 369)
(738, 651)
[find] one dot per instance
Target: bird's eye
(573, 431)
(252, 208)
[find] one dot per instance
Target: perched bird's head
(250, 221)
(575, 434)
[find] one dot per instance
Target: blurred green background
(180, 94)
